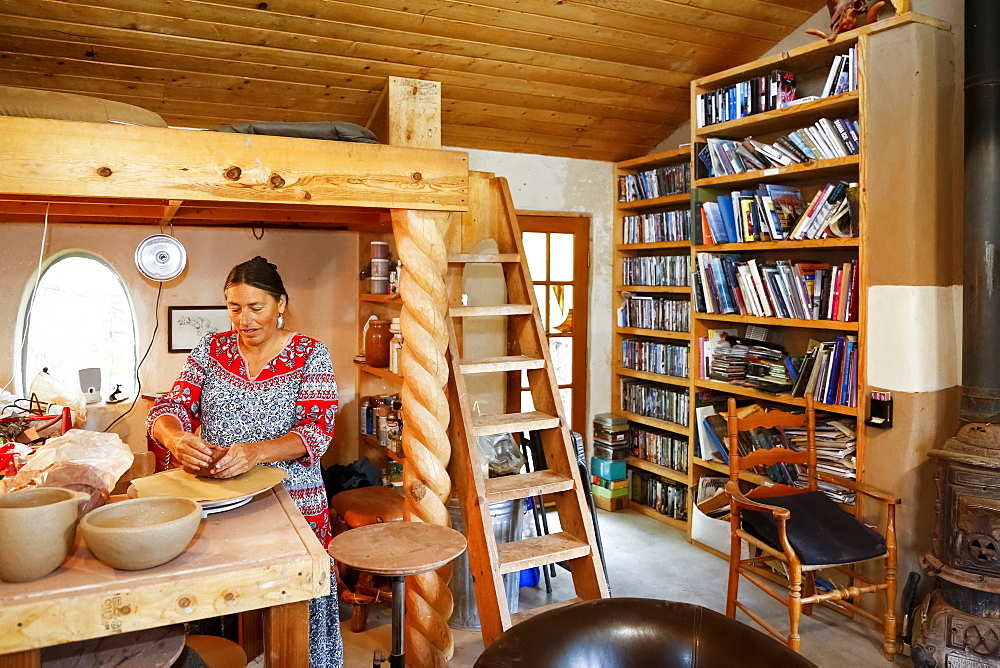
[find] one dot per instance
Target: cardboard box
(605, 468)
(611, 505)
(608, 493)
(712, 532)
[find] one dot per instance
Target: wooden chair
(806, 532)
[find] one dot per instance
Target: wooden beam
(170, 210)
(414, 112)
(97, 160)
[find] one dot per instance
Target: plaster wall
(315, 266)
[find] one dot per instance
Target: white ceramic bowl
(141, 533)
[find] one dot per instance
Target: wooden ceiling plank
(472, 71)
(488, 120)
(726, 16)
(232, 26)
(533, 32)
(460, 138)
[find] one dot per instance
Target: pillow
(30, 103)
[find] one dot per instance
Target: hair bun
(258, 258)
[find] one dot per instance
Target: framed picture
(187, 324)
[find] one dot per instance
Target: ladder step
(510, 423)
(499, 309)
(539, 550)
(491, 364)
(522, 615)
(483, 257)
(523, 485)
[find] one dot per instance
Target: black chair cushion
(820, 531)
(636, 633)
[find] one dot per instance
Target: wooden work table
(262, 556)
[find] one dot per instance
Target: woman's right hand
(190, 451)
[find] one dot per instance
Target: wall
(542, 183)
(310, 262)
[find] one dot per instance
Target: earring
(281, 321)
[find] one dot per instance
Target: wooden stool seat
(217, 652)
(368, 505)
(351, 509)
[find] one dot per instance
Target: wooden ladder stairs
(575, 544)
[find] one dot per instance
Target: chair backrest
(775, 455)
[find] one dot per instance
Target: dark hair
(258, 273)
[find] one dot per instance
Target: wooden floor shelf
(649, 512)
(677, 381)
(788, 244)
(678, 289)
(815, 169)
(662, 471)
(373, 442)
(656, 201)
(799, 115)
(653, 333)
(765, 396)
(655, 422)
(838, 325)
(382, 372)
(653, 245)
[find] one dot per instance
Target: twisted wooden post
(427, 486)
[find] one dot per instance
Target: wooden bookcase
(626, 249)
(904, 68)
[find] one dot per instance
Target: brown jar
(377, 338)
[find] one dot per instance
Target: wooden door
(557, 247)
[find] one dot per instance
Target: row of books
(775, 212)
(655, 227)
(657, 270)
(824, 140)
(843, 75)
(666, 314)
(729, 283)
(652, 183)
(835, 449)
(830, 371)
(655, 357)
(659, 448)
(663, 496)
(746, 98)
(655, 401)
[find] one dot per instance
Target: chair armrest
(859, 487)
(736, 495)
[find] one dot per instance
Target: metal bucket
(506, 517)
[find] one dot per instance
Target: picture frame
(186, 325)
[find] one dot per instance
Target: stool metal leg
(398, 659)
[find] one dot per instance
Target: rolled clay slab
(177, 482)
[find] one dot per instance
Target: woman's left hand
(240, 458)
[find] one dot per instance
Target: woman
(261, 395)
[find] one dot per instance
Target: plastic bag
(50, 390)
(86, 461)
(501, 453)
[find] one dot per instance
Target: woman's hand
(240, 458)
(190, 451)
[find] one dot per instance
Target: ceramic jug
(377, 338)
(37, 531)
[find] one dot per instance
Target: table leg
(31, 658)
(398, 657)
(252, 633)
(286, 635)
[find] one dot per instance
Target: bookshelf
(650, 231)
(902, 245)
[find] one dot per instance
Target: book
(717, 433)
(832, 76)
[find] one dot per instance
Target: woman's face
(254, 313)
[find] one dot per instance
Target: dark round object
(634, 633)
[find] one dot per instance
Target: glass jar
(377, 338)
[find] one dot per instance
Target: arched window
(81, 318)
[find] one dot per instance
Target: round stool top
(397, 548)
(368, 505)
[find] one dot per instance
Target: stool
(397, 549)
(217, 652)
(355, 508)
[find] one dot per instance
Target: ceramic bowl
(37, 530)
(141, 533)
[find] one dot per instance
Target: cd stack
(608, 472)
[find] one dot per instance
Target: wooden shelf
(667, 200)
(662, 471)
(373, 442)
(758, 246)
(649, 512)
(785, 399)
(787, 119)
(719, 467)
(391, 298)
(655, 377)
(654, 245)
(674, 289)
(839, 325)
(653, 160)
(382, 373)
(814, 169)
(653, 333)
(654, 422)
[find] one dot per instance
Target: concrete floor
(670, 569)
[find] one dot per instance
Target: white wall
(542, 183)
